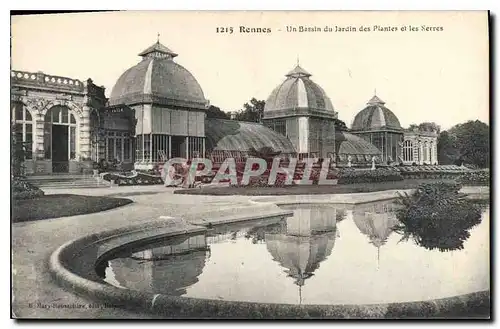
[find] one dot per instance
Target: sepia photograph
(250, 165)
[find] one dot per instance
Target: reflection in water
(437, 217)
(147, 270)
(376, 221)
(304, 242)
(292, 260)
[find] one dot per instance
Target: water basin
(323, 254)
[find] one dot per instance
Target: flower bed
(21, 189)
(132, 178)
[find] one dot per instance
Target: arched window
(408, 151)
(23, 128)
(61, 117)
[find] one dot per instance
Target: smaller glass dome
(298, 91)
(375, 116)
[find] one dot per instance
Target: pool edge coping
(197, 308)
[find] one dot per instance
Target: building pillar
(435, 154)
(431, 153)
(415, 151)
(101, 145)
(142, 146)
(187, 147)
(84, 142)
(83, 137)
(39, 132)
(421, 157)
(151, 148)
(203, 148)
(169, 147)
(386, 146)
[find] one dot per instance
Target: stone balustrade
(42, 78)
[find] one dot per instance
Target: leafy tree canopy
(425, 126)
(429, 126)
(467, 143)
(216, 112)
(340, 125)
(252, 112)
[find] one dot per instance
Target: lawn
(312, 189)
(60, 205)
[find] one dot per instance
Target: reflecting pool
(323, 254)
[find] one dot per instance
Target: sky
(438, 76)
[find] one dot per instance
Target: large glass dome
(157, 78)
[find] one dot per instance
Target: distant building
(420, 147)
(379, 126)
(301, 110)
(157, 111)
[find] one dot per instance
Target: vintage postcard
(250, 165)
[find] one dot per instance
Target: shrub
(21, 189)
(352, 176)
(437, 215)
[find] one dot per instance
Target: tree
(412, 127)
(447, 154)
(429, 126)
(425, 126)
(216, 112)
(252, 112)
(467, 143)
(340, 125)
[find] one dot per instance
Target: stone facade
(38, 94)
(420, 147)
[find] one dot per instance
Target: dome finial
(298, 60)
(375, 100)
(298, 71)
(375, 92)
(157, 50)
